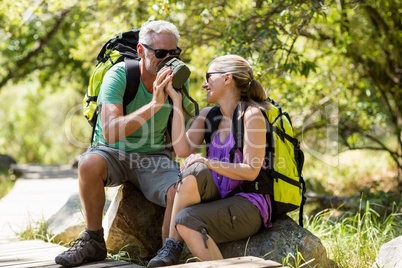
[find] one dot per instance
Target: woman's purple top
(221, 152)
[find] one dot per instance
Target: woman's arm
(253, 151)
(186, 143)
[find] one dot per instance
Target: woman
(201, 216)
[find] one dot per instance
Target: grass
(37, 230)
(354, 240)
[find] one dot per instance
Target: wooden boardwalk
(36, 253)
(39, 195)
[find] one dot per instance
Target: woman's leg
(197, 185)
(205, 225)
(196, 245)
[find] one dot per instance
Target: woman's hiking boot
(84, 249)
(169, 254)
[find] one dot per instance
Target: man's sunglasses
(161, 53)
(208, 74)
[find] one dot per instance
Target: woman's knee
(92, 167)
(189, 183)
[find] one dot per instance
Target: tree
(367, 35)
(55, 43)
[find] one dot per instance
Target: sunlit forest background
(335, 66)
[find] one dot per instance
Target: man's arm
(116, 125)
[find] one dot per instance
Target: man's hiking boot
(84, 249)
(169, 254)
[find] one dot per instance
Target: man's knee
(92, 167)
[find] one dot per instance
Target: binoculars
(180, 70)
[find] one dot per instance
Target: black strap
(132, 81)
(212, 121)
(274, 103)
(94, 119)
(196, 107)
(284, 135)
(132, 84)
(238, 131)
(262, 184)
(276, 175)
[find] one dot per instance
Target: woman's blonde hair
(251, 91)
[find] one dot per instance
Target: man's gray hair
(157, 26)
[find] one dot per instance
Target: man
(129, 147)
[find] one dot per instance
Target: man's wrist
(154, 106)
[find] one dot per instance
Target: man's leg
(90, 246)
(92, 173)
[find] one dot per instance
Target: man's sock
(96, 235)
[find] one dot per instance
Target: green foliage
(309, 55)
(354, 241)
(344, 176)
(37, 230)
(6, 183)
(33, 127)
(123, 255)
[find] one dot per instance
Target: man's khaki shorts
(225, 219)
(152, 173)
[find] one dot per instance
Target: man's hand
(163, 78)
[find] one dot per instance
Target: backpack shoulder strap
(238, 131)
(211, 124)
(132, 80)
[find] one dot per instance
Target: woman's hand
(193, 158)
(173, 93)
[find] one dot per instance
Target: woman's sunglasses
(161, 53)
(208, 74)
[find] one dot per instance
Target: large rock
(133, 224)
(390, 254)
(285, 238)
(69, 221)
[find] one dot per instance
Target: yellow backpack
(121, 48)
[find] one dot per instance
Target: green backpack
(121, 48)
(281, 177)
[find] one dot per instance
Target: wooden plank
(110, 263)
(17, 248)
(241, 262)
(39, 263)
(103, 264)
(36, 253)
(30, 257)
